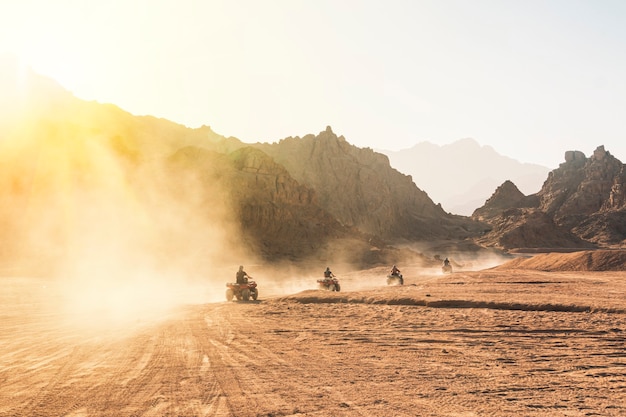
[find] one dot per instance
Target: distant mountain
(462, 175)
(582, 204)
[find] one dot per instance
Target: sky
(530, 78)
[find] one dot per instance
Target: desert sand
(492, 342)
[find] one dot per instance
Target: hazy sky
(530, 78)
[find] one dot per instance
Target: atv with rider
(330, 281)
(395, 277)
(242, 291)
(330, 284)
(243, 288)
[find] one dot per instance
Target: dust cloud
(127, 237)
(117, 239)
(463, 255)
(121, 225)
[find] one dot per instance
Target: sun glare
(50, 63)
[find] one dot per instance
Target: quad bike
(244, 291)
(446, 269)
(395, 279)
(330, 284)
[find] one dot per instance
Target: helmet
(328, 268)
(240, 267)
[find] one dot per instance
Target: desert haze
(118, 234)
(515, 340)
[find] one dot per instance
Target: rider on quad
(329, 282)
(244, 289)
(242, 276)
(328, 273)
(395, 277)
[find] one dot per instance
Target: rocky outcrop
(525, 228)
(582, 203)
(360, 189)
(275, 216)
(582, 186)
(617, 197)
(505, 197)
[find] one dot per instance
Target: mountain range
(87, 185)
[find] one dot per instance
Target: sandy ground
(482, 343)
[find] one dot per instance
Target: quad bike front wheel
(245, 294)
(337, 287)
(229, 295)
(254, 293)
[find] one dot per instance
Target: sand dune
(598, 260)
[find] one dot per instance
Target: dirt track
(469, 344)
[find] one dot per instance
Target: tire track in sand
(237, 362)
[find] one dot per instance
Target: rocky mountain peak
(582, 186)
(585, 198)
(575, 157)
(505, 197)
(359, 187)
(507, 191)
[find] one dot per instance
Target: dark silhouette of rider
(446, 262)
(328, 273)
(242, 276)
(395, 271)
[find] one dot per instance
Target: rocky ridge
(360, 188)
(193, 195)
(275, 216)
(581, 204)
